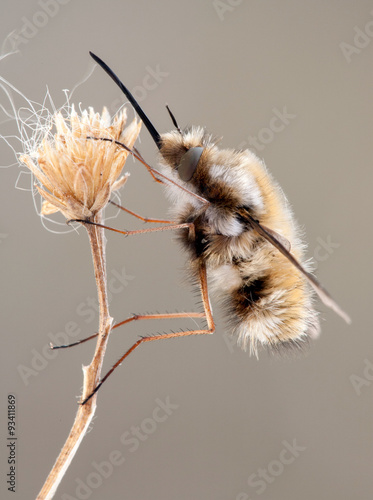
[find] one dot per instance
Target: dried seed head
(78, 174)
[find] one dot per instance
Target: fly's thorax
(228, 180)
(223, 177)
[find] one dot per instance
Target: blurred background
(194, 418)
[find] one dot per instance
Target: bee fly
(240, 235)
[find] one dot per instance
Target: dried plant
(77, 176)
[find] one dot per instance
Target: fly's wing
(283, 246)
(278, 237)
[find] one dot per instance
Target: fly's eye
(189, 163)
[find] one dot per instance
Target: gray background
(228, 73)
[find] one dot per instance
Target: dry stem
(91, 372)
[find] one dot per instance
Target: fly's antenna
(148, 124)
(173, 119)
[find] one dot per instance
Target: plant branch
(92, 372)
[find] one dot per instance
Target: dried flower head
(78, 174)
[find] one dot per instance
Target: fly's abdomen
(272, 305)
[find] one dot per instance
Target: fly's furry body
(241, 237)
(268, 302)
